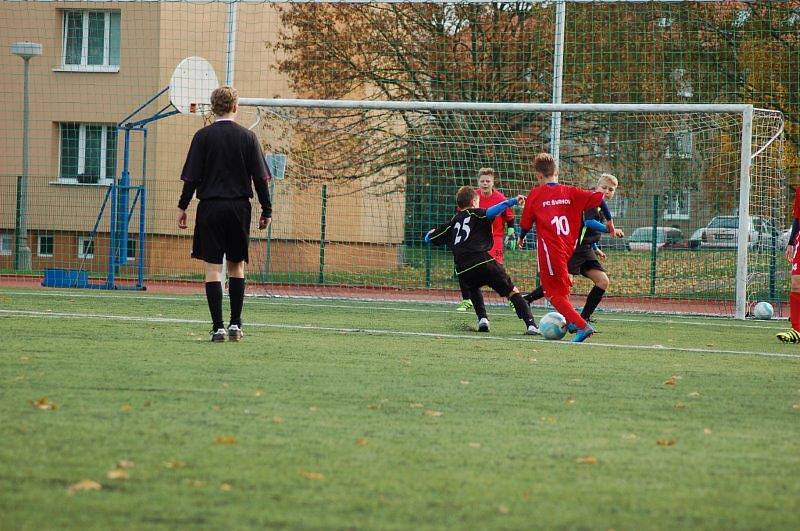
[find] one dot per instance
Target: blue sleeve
(496, 210)
(604, 209)
(596, 225)
(595, 246)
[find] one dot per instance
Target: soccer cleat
(583, 334)
(219, 335)
(464, 306)
(235, 333)
(483, 324)
(571, 328)
(533, 331)
(790, 336)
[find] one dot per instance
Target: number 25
(466, 228)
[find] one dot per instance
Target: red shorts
(553, 272)
(796, 259)
(496, 251)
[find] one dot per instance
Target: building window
(45, 246)
(618, 206)
(88, 153)
(677, 205)
(85, 247)
(679, 145)
(131, 255)
(90, 41)
(5, 243)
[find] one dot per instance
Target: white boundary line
(691, 320)
(370, 331)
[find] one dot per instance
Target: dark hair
(223, 99)
(545, 164)
(465, 196)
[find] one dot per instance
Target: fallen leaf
(126, 408)
(313, 476)
(666, 442)
(630, 436)
(174, 464)
(464, 382)
(502, 509)
(433, 413)
(117, 473)
(277, 419)
(24, 359)
(587, 460)
(86, 484)
(225, 439)
(44, 404)
(313, 408)
(694, 394)
(373, 406)
(680, 405)
(226, 487)
(796, 407)
(259, 392)
(707, 431)
(570, 401)
(124, 463)
(474, 445)
(672, 381)
(198, 484)
(416, 404)
(549, 420)
(216, 408)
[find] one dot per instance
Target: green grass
(458, 430)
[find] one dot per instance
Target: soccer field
(343, 414)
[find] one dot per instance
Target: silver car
(722, 232)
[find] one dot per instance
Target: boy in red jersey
(489, 196)
(557, 210)
(793, 255)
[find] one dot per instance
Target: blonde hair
(223, 99)
(545, 164)
(607, 177)
(486, 171)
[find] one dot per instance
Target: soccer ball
(763, 310)
(553, 326)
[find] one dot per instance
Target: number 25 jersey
(557, 210)
(469, 236)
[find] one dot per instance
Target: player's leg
(466, 303)
(534, 295)
(557, 285)
(497, 278)
(237, 253)
(601, 283)
(207, 245)
(793, 335)
(472, 280)
(213, 277)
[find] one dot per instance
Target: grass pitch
(334, 414)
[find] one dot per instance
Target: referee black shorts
(489, 274)
(583, 259)
(222, 227)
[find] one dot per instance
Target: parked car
(666, 237)
(696, 240)
(722, 231)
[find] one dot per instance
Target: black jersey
(590, 236)
(469, 236)
(223, 160)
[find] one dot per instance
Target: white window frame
(103, 179)
(128, 256)
(672, 207)
(6, 243)
(81, 241)
(618, 205)
(683, 144)
(84, 66)
(39, 245)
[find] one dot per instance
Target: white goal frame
(744, 110)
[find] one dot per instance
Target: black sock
(464, 290)
(236, 294)
(476, 297)
(522, 309)
(214, 298)
(534, 295)
(592, 300)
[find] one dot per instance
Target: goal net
(370, 178)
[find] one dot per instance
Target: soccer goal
(701, 197)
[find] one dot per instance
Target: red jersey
(796, 209)
(507, 216)
(557, 211)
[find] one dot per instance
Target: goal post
(695, 138)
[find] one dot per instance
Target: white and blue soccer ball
(763, 310)
(553, 326)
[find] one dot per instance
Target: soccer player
(489, 196)
(587, 257)
(469, 236)
(223, 160)
(793, 334)
(557, 210)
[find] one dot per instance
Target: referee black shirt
(223, 160)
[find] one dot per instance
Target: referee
(223, 160)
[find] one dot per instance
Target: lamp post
(22, 253)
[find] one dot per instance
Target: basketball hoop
(191, 86)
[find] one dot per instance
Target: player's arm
(595, 225)
(792, 237)
(259, 173)
(438, 236)
(190, 175)
(494, 211)
(526, 220)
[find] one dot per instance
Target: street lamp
(22, 253)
